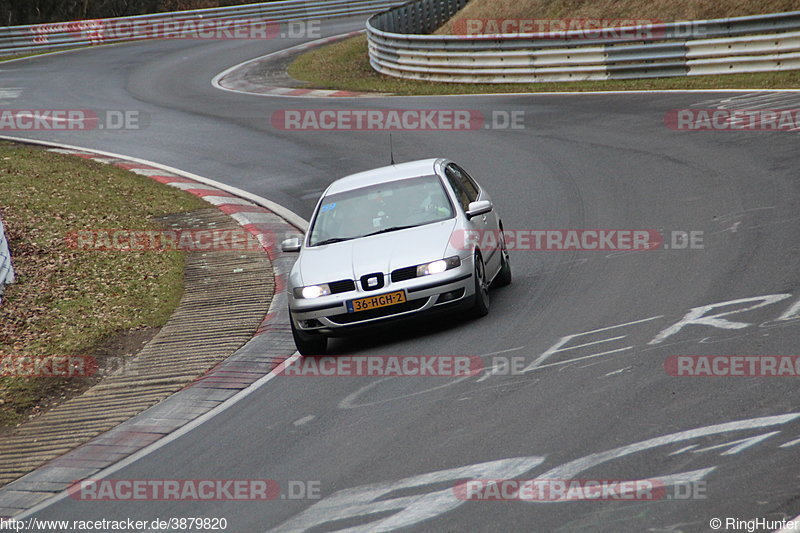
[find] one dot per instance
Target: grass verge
(655, 10)
(68, 301)
(345, 65)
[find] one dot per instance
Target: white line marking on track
(576, 359)
(503, 351)
(493, 370)
(789, 444)
(728, 217)
(741, 444)
(153, 172)
(682, 450)
(303, 421)
(9, 93)
(697, 315)
(349, 402)
(369, 505)
(573, 468)
(620, 371)
(564, 340)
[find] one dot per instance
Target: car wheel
(309, 343)
(481, 305)
(503, 277)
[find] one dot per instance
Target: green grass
(657, 10)
(345, 65)
(68, 301)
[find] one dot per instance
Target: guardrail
(6, 269)
(400, 46)
(61, 35)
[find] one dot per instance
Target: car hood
(378, 253)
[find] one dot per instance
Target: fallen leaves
(69, 301)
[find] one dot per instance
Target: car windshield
(380, 208)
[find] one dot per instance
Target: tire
(308, 343)
(480, 306)
(503, 277)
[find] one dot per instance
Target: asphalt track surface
(599, 161)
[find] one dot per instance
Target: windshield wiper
(340, 239)
(387, 230)
(331, 241)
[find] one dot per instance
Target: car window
(397, 204)
(473, 191)
(462, 184)
(469, 184)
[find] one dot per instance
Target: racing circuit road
(591, 328)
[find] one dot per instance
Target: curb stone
(241, 78)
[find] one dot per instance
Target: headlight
(312, 291)
(437, 267)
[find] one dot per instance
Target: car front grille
(358, 316)
(402, 274)
(345, 285)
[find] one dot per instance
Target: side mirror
(478, 208)
(291, 245)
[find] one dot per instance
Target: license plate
(374, 302)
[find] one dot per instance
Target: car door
(467, 190)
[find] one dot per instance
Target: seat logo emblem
(372, 282)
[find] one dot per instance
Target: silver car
(394, 242)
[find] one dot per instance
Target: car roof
(412, 169)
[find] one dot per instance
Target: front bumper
(329, 314)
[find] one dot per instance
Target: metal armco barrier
(400, 46)
(60, 35)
